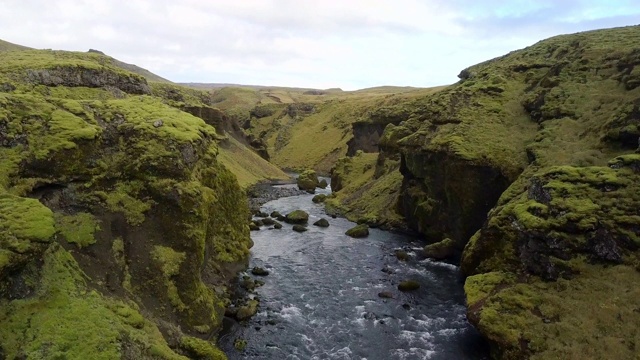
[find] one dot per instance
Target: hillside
(530, 162)
(7, 46)
(118, 216)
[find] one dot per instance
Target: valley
(511, 197)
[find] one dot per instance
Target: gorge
(124, 220)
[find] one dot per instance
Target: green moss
(63, 311)
(25, 219)
(566, 319)
(479, 287)
(368, 192)
(78, 228)
(125, 199)
(169, 262)
(201, 349)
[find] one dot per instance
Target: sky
(350, 44)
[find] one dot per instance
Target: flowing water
(321, 300)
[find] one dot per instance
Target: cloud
(350, 44)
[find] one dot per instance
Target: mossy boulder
(299, 228)
(308, 181)
(246, 311)
(277, 225)
(402, 255)
(320, 198)
(258, 271)
(441, 250)
(323, 184)
(358, 231)
(253, 226)
(322, 223)
(275, 214)
(408, 285)
(297, 217)
(268, 221)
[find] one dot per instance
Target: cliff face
(530, 163)
(535, 149)
(120, 228)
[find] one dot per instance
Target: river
(320, 300)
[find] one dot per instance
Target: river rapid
(320, 300)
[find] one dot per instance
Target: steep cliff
(120, 228)
(535, 150)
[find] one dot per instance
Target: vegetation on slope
(532, 134)
(94, 180)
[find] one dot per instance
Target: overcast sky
(322, 43)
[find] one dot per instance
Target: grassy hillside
(531, 161)
(93, 160)
(7, 46)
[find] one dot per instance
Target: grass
(63, 310)
(363, 196)
(247, 166)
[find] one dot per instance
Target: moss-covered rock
(565, 243)
(297, 217)
(322, 223)
(408, 285)
(299, 228)
(358, 231)
(258, 271)
(320, 198)
(308, 181)
(441, 250)
(86, 169)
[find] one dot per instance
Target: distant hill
(134, 68)
(7, 46)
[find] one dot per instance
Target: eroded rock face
(565, 244)
(80, 76)
(442, 194)
(131, 218)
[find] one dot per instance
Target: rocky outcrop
(565, 244)
(118, 222)
(366, 137)
(441, 250)
(73, 76)
(308, 181)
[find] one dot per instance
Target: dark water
(321, 299)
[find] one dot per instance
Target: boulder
(358, 231)
(258, 222)
(322, 223)
(299, 228)
(261, 214)
(253, 226)
(320, 198)
(275, 214)
(441, 250)
(277, 225)
(402, 255)
(248, 310)
(308, 181)
(297, 217)
(408, 285)
(258, 271)
(323, 184)
(386, 294)
(268, 221)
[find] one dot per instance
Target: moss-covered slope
(522, 149)
(120, 227)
